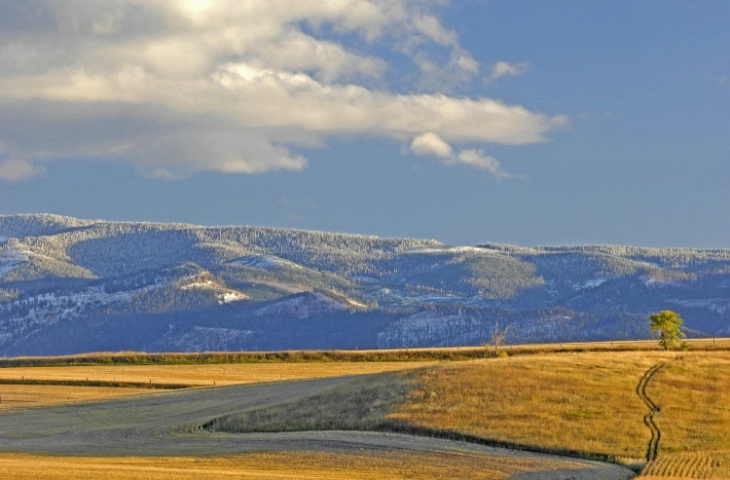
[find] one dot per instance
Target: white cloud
(431, 144)
(504, 69)
(477, 158)
(17, 170)
(169, 156)
(175, 87)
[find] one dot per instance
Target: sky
(520, 122)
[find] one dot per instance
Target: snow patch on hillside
(354, 303)
(717, 305)
(199, 285)
(442, 250)
(653, 282)
(589, 284)
(47, 308)
(394, 297)
(433, 329)
(231, 296)
(12, 255)
(264, 262)
(223, 294)
(301, 306)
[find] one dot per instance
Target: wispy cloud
(431, 144)
(13, 170)
(504, 69)
(175, 87)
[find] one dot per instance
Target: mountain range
(69, 285)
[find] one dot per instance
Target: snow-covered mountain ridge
(70, 285)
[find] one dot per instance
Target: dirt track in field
(168, 425)
(652, 449)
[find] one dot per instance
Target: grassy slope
(572, 402)
(694, 394)
(587, 403)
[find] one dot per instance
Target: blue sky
(528, 123)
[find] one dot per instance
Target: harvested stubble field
(20, 397)
(13, 396)
(578, 403)
(277, 466)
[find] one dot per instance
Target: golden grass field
(690, 465)
(586, 402)
(207, 375)
(19, 397)
(272, 466)
(13, 397)
(577, 402)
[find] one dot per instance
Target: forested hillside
(69, 285)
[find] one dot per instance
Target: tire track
(652, 449)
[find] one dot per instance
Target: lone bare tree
(666, 325)
(498, 335)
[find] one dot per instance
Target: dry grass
(572, 402)
(707, 465)
(426, 354)
(566, 402)
(693, 392)
(359, 405)
(710, 344)
(208, 375)
(15, 397)
(271, 466)
(20, 397)
(582, 402)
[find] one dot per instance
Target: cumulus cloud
(178, 86)
(431, 144)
